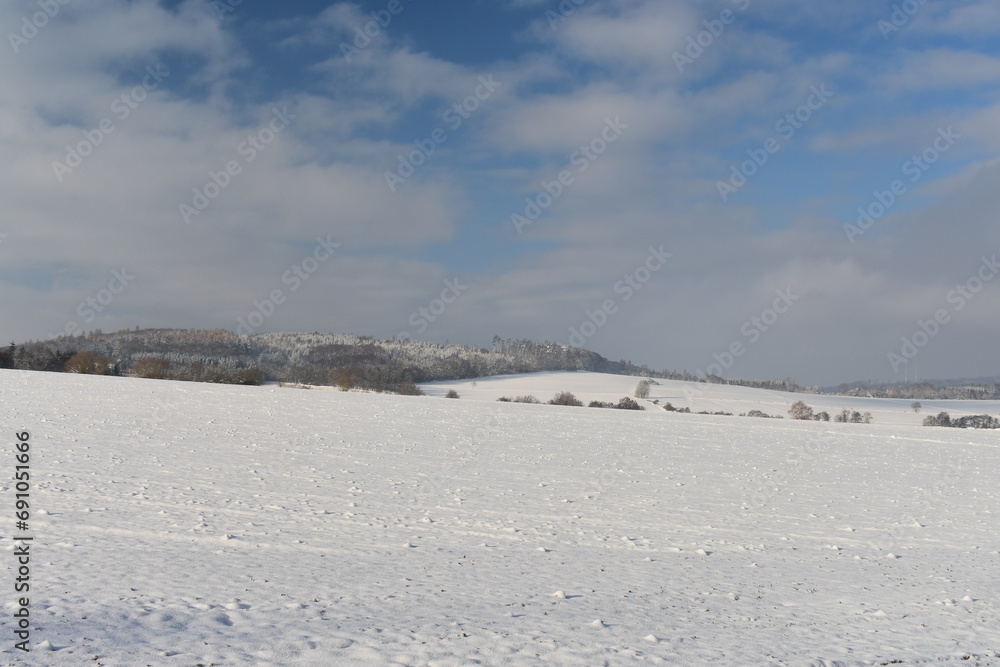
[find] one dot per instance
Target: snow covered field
(186, 524)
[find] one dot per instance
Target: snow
(183, 524)
(588, 387)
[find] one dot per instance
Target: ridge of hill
(393, 365)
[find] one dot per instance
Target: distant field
(183, 524)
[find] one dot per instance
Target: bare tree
(800, 410)
(88, 363)
(642, 389)
(565, 398)
(151, 368)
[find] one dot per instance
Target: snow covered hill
(185, 524)
(699, 396)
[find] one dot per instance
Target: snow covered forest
(311, 358)
(364, 362)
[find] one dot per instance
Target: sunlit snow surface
(185, 524)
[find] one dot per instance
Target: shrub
(758, 413)
(526, 399)
(151, 368)
(642, 389)
(976, 421)
(627, 403)
(600, 404)
(408, 388)
(800, 410)
(669, 407)
(565, 398)
(823, 416)
(247, 376)
(451, 394)
(971, 421)
(846, 416)
(7, 356)
(88, 363)
(345, 382)
(504, 399)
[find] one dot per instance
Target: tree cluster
(761, 414)
(924, 391)
(855, 417)
(624, 403)
(519, 399)
(970, 421)
(800, 410)
(565, 398)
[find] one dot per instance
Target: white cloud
(942, 69)
(324, 176)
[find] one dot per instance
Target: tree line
(347, 361)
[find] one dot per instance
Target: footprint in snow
(223, 619)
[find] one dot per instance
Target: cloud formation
(102, 157)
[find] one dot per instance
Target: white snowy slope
(699, 396)
(186, 524)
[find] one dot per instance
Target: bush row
(971, 421)
(567, 398)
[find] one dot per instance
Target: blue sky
(259, 106)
